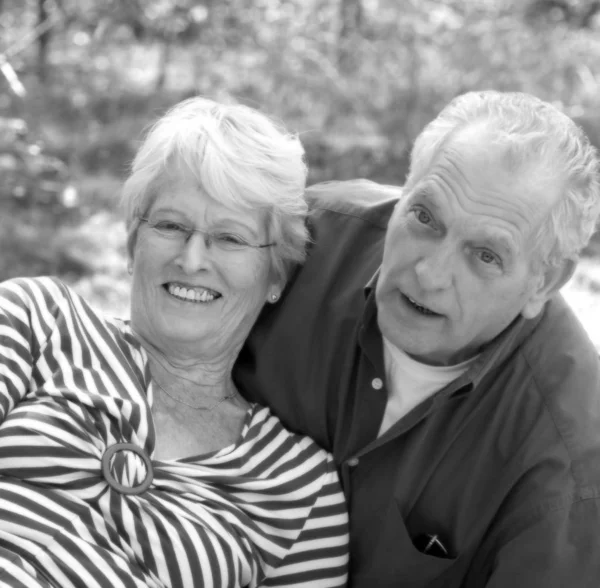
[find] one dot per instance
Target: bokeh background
(357, 79)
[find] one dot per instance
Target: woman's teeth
(192, 294)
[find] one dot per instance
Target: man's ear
(550, 281)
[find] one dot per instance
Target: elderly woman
(127, 456)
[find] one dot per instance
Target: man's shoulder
(560, 352)
(361, 199)
(347, 223)
(564, 370)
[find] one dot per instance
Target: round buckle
(108, 475)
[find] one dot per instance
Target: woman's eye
(170, 229)
(170, 226)
(231, 239)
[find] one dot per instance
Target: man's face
(456, 267)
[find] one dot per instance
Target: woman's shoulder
(49, 299)
(32, 285)
(41, 296)
(289, 449)
(44, 294)
(46, 290)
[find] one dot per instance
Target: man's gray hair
(239, 157)
(539, 141)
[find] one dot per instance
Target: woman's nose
(196, 253)
(435, 269)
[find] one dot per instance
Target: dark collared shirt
(502, 466)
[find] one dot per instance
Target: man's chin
(419, 348)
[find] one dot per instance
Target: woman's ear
(549, 282)
(276, 286)
(131, 243)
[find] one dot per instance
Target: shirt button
(352, 462)
(377, 383)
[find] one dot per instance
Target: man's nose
(436, 268)
(196, 253)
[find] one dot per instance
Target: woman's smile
(191, 293)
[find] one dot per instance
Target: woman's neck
(209, 376)
(211, 379)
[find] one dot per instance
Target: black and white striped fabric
(266, 511)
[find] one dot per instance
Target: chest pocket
(391, 559)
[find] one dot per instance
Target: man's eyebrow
(424, 194)
(500, 243)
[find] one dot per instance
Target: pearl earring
(274, 297)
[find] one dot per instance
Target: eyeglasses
(175, 231)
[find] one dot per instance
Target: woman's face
(190, 299)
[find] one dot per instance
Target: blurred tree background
(357, 79)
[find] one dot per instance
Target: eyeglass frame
(209, 238)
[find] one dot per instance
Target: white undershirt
(409, 382)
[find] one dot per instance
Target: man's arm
(555, 546)
(298, 358)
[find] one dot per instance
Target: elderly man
(425, 343)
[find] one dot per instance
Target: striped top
(265, 511)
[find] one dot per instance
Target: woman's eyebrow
(167, 209)
(233, 223)
(220, 222)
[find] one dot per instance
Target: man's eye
(422, 216)
(488, 258)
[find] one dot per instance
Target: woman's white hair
(239, 158)
(537, 140)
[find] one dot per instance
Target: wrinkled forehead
(505, 162)
(490, 148)
(470, 179)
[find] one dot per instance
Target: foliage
(357, 79)
(367, 90)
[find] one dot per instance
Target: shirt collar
(371, 284)
(491, 355)
(502, 346)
